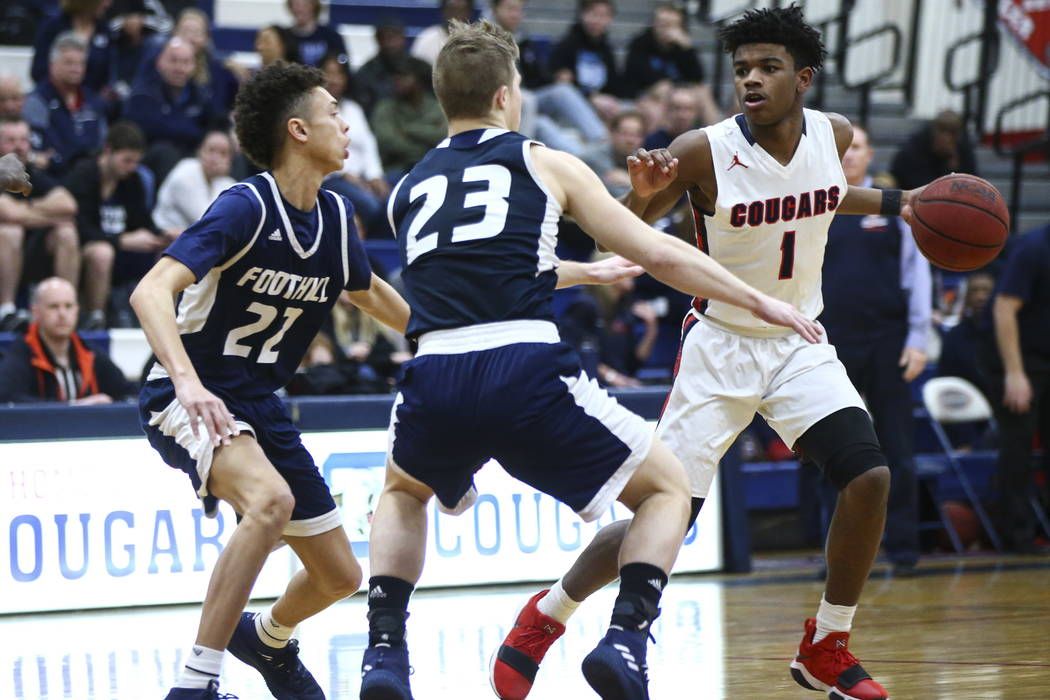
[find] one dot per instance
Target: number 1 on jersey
(787, 255)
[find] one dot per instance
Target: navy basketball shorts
(513, 392)
(167, 426)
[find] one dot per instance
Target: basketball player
(258, 274)
(476, 222)
(764, 186)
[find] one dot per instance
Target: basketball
(964, 519)
(960, 222)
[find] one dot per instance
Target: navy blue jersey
(477, 231)
(267, 277)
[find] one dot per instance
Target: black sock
(387, 609)
(637, 605)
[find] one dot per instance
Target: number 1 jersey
(267, 277)
(770, 223)
(476, 229)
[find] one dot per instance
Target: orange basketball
(966, 524)
(960, 222)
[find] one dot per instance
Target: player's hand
(612, 270)
(781, 313)
(651, 171)
(13, 175)
(908, 198)
(1018, 394)
(205, 407)
(913, 360)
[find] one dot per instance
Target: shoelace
(534, 642)
(844, 658)
(286, 662)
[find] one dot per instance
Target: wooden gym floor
(963, 628)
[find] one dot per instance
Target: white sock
(271, 632)
(557, 604)
(203, 665)
(833, 618)
(7, 308)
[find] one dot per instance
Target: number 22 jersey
(770, 223)
(267, 277)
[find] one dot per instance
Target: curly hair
(783, 26)
(265, 104)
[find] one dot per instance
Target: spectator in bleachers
(194, 184)
(877, 310)
(361, 179)
(665, 52)
(51, 363)
(315, 39)
(428, 44)
(610, 160)
(683, 114)
(547, 106)
(66, 118)
(374, 81)
(585, 57)
(938, 148)
(84, 20)
(172, 110)
(12, 96)
(43, 222)
(214, 76)
(407, 124)
(961, 345)
(275, 43)
(118, 237)
(608, 320)
(1020, 380)
(130, 45)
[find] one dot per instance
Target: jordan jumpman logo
(736, 162)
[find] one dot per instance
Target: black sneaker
(284, 673)
(616, 669)
(209, 693)
(16, 322)
(385, 672)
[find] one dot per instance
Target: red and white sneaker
(514, 665)
(829, 666)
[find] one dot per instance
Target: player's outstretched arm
(607, 271)
(383, 303)
(666, 258)
(154, 303)
(659, 178)
(869, 200)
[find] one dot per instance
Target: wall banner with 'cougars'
(104, 523)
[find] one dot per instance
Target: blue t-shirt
(267, 276)
(476, 231)
(1027, 277)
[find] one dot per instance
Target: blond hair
(476, 61)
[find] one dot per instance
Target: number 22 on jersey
(434, 192)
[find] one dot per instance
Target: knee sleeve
(843, 445)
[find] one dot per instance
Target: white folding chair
(950, 400)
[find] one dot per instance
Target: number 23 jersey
(770, 224)
(476, 229)
(267, 277)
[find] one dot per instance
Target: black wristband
(891, 203)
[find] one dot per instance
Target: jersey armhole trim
(526, 154)
(390, 203)
(262, 220)
(344, 233)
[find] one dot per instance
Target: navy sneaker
(384, 673)
(209, 693)
(284, 673)
(616, 669)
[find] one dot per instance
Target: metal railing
(1019, 153)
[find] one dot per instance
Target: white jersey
(770, 223)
